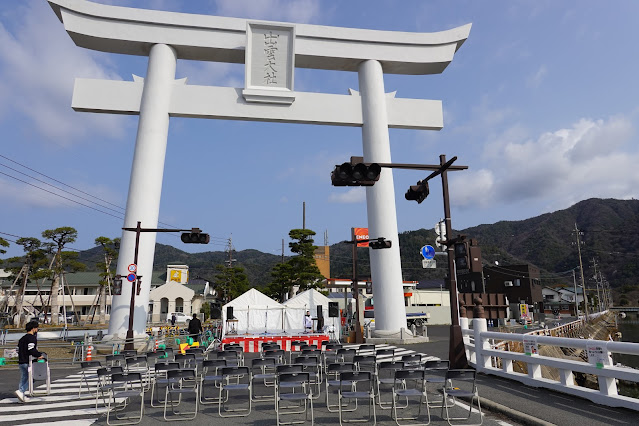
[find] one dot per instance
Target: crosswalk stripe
(82, 422)
(52, 414)
(31, 405)
(50, 398)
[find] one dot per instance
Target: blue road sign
(131, 277)
(428, 252)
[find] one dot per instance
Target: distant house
(561, 300)
(171, 291)
(180, 293)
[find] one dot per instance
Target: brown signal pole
(128, 345)
(358, 330)
(456, 350)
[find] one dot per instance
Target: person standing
(308, 322)
(195, 328)
(27, 346)
(173, 320)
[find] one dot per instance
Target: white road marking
(33, 405)
(527, 395)
(22, 418)
(590, 413)
(83, 422)
(50, 398)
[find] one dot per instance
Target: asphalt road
(521, 404)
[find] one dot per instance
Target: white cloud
(301, 11)
(38, 64)
(211, 73)
(484, 117)
(353, 195)
(589, 159)
(537, 78)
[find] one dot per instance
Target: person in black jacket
(195, 328)
(27, 346)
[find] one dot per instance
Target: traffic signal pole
(128, 343)
(135, 284)
(358, 326)
(456, 350)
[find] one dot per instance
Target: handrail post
(470, 354)
(607, 385)
(482, 362)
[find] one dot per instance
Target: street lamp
(192, 236)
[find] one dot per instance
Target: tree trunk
(20, 297)
(53, 300)
(103, 302)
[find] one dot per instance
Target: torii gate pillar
(145, 186)
(386, 273)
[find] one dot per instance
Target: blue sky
(540, 103)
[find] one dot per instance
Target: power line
(61, 183)
(60, 189)
(72, 194)
(62, 196)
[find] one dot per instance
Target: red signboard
(361, 234)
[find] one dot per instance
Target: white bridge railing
(488, 358)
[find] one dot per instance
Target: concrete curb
(518, 416)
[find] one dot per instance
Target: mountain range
(607, 228)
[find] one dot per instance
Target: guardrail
(495, 359)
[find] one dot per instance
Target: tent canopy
(307, 301)
(254, 313)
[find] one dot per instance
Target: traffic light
(474, 256)
(380, 243)
(117, 286)
(418, 192)
(195, 237)
(461, 255)
(440, 230)
(356, 173)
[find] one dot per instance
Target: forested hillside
(610, 235)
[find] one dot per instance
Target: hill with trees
(609, 227)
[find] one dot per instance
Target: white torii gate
(271, 51)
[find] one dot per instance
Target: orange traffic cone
(156, 345)
(89, 349)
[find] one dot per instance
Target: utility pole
(229, 248)
(304, 215)
(574, 280)
(594, 264)
(282, 288)
(581, 270)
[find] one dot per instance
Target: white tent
(307, 301)
(255, 312)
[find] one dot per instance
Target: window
(517, 282)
